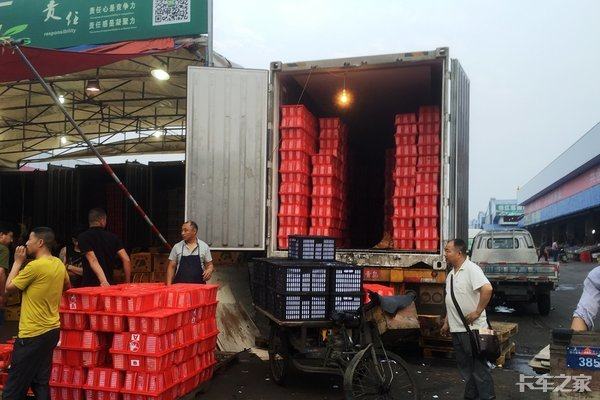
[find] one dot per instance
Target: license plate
(583, 357)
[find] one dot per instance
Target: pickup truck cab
(509, 260)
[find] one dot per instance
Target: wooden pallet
(507, 350)
(438, 352)
(505, 330)
(506, 354)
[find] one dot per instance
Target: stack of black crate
(305, 288)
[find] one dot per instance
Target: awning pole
(209, 47)
(107, 167)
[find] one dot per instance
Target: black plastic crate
(345, 302)
(297, 276)
(259, 272)
(259, 294)
(294, 307)
(319, 248)
(345, 278)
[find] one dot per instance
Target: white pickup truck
(509, 260)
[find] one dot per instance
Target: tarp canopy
(122, 118)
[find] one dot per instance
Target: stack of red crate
(329, 183)
(428, 178)
(405, 172)
(5, 356)
(298, 142)
(132, 341)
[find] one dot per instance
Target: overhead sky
(533, 65)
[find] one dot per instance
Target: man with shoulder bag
(468, 293)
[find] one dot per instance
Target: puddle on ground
(520, 364)
(562, 288)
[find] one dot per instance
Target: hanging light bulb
(157, 134)
(344, 98)
(160, 74)
(61, 99)
(63, 140)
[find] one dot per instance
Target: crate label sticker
(583, 357)
(135, 363)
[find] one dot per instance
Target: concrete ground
(438, 378)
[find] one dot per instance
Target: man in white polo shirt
(473, 292)
(190, 260)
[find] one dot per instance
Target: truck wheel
(543, 303)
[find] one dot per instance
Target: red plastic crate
(427, 245)
(326, 181)
(103, 384)
(5, 355)
(293, 166)
(144, 385)
(403, 202)
(82, 299)
(427, 188)
(426, 234)
(338, 152)
(325, 159)
(406, 151)
(430, 150)
(426, 200)
(131, 301)
(294, 189)
(429, 128)
(327, 191)
(331, 123)
(426, 211)
(141, 362)
(297, 116)
(429, 114)
(284, 231)
(429, 140)
(407, 118)
(404, 212)
(293, 221)
(201, 313)
(79, 358)
(207, 373)
(324, 222)
(306, 145)
(381, 290)
(337, 143)
(329, 232)
(187, 296)
(298, 199)
(432, 168)
(301, 178)
(296, 133)
(407, 130)
(325, 211)
(73, 320)
(404, 191)
(293, 210)
(64, 375)
(103, 322)
(208, 343)
(407, 234)
(405, 140)
(327, 202)
(426, 222)
(58, 392)
(403, 223)
(157, 322)
(333, 133)
(428, 161)
(406, 161)
(147, 344)
(294, 156)
(327, 170)
(428, 177)
(404, 244)
(201, 330)
(81, 340)
(405, 171)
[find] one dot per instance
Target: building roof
(582, 155)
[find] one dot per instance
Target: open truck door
(226, 156)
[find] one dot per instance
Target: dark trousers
(473, 370)
(30, 366)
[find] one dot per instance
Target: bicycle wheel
(279, 356)
(377, 376)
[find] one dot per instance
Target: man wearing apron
(190, 260)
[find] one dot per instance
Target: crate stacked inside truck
(137, 341)
(298, 143)
(405, 171)
(329, 215)
(428, 177)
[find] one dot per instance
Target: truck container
(232, 157)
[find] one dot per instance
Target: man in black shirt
(101, 249)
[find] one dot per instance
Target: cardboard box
(141, 262)
(404, 319)
(160, 262)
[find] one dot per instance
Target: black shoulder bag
(485, 346)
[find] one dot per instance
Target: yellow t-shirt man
(41, 282)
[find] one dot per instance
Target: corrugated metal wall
(226, 156)
(459, 132)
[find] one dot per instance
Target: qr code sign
(166, 12)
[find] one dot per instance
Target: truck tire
(543, 303)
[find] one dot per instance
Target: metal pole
(107, 167)
(209, 47)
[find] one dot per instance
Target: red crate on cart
(151, 386)
(407, 130)
(82, 299)
(131, 301)
(426, 211)
(103, 384)
(404, 191)
(295, 178)
(157, 322)
(104, 322)
(294, 167)
(294, 189)
(143, 362)
(407, 118)
(197, 314)
(81, 340)
(74, 320)
(426, 222)
(405, 140)
(403, 223)
(188, 296)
